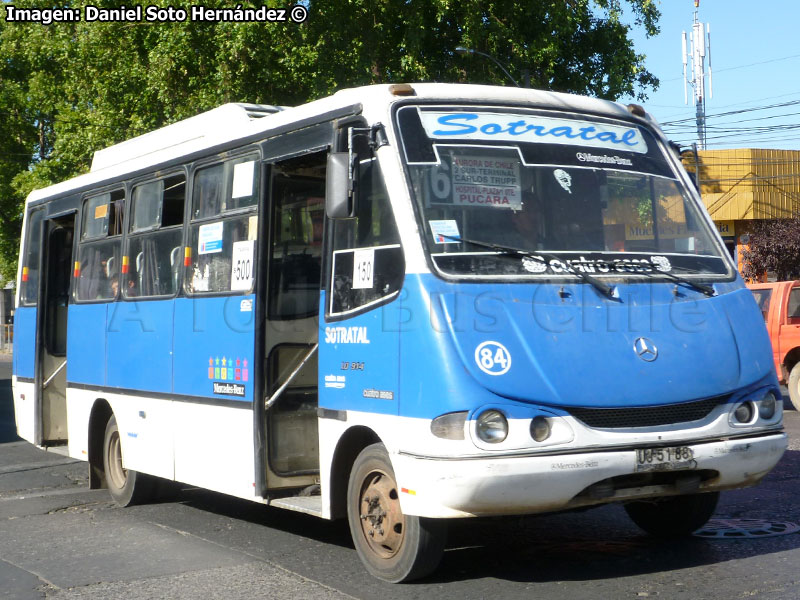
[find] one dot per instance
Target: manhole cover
(734, 529)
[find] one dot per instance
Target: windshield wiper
(700, 287)
(600, 286)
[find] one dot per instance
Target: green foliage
(68, 89)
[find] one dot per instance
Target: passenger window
(208, 190)
(98, 267)
(154, 258)
(29, 288)
(223, 247)
(103, 215)
(98, 270)
(243, 181)
(225, 187)
(368, 263)
(146, 206)
(223, 255)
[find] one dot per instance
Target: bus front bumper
(514, 485)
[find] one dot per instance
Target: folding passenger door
(51, 353)
(291, 298)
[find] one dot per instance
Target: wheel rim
(117, 474)
(382, 521)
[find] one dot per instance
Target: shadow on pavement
(592, 545)
(8, 427)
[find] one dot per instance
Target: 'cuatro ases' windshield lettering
(492, 186)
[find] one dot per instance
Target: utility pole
(696, 47)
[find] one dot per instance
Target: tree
(775, 247)
(69, 89)
(579, 46)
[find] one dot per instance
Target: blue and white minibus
(401, 304)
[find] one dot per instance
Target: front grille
(646, 416)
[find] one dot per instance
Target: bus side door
(296, 198)
(51, 361)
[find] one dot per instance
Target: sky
(755, 59)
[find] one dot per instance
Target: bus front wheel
(127, 487)
(393, 546)
(676, 516)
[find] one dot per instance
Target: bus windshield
(572, 193)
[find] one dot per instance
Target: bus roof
(230, 122)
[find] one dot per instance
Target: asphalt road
(60, 540)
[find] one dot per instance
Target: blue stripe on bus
(193, 347)
(86, 343)
(213, 347)
(25, 341)
(139, 345)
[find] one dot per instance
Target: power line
(739, 112)
(734, 68)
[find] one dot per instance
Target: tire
(673, 517)
(127, 487)
(393, 547)
(794, 386)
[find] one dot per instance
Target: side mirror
(339, 187)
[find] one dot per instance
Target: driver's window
(368, 263)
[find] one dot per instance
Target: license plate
(664, 459)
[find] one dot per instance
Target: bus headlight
(449, 426)
(744, 413)
(766, 408)
(540, 428)
(492, 427)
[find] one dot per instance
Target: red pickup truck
(780, 304)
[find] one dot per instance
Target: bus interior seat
(574, 206)
(111, 270)
(140, 270)
(175, 266)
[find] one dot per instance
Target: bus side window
(223, 246)
(98, 268)
(207, 194)
(154, 254)
(368, 263)
(30, 265)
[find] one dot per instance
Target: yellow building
(743, 185)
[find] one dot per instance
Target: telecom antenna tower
(695, 50)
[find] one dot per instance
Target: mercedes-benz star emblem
(645, 349)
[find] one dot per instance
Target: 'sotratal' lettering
(532, 129)
(346, 335)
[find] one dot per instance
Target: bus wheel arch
(135, 487)
(100, 415)
(347, 450)
(127, 487)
